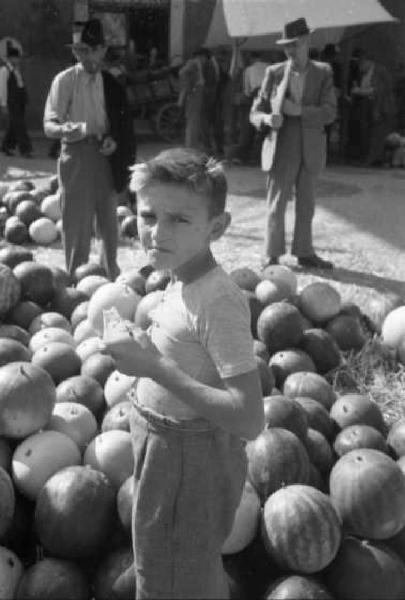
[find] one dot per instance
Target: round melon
(23, 313)
(84, 331)
(396, 438)
(115, 576)
(5, 454)
(12, 255)
(124, 503)
(58, 359)
(280, 274)
(276, 458)
(39, 457)
(268, 292)
(297, 587)
(311, 385)
(319, 450)
(317, 416)
(290, 360)
(36, 282)
(366, 569)
(88, 347)
(157, 280)
(267, 379)
(28, 212)
(13, 198)
(11, 572)
(15, 231)
(14, 332)
(48, 335)
(99, 367)
(357, 409)
(319, 302)
(88, 269)
(89, 284)
(12, 351)
(54, 578)
(245, 523)
(7, 501)
(145, 307)
(129, 227)
(379, 306)
(245, 278)
(368, 489)
(83, 390)
(27, 398)
(75, 513)
(49, 319)
(111, 453)
(124, 211)
(301, 528)
(260, 350)
(119, 295)
(134, 279)
(79, 314)
(51, 207)
(117, 387)
(74, 420)
(61, 278)
(10, 290)
(322, 348)
(43, 231)
(347, 332)
(117, 417)
(358, 436)
(65, 300)
(284, 413)
(280, 326)
(393, 327)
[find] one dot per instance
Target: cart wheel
(170, 123)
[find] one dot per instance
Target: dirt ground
(359, 223)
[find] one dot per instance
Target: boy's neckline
(195, 268)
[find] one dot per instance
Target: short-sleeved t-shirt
(204, 326)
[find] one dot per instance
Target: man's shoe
(273, 260)
(314, 262)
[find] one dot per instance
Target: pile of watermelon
(30, 213)
(323, 510)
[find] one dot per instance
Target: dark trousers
(87, 196)
(16, 134)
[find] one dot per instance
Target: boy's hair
(192, 168)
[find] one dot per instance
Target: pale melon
(111, 453)
(88, 347)
(282, 275)
(43, 231)
(119, 295)
(393, 328)
(245, 523)
(50, 334)
(75, 420)
(51, 207)
(84, 331)
(116, 388)
(91, 283)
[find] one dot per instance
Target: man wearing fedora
(13, 101)
(87, 110)
(295, 102)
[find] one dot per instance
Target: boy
(198, 393)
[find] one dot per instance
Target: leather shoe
(271, 261)
(314, 262)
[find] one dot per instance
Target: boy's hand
(134, 353)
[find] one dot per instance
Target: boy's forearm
(218, 406)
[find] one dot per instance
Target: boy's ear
(220, 225)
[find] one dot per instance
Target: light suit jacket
(318, 110)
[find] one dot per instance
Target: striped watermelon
(301, 529)
(276, 458)
(368, 489)
(10, 289)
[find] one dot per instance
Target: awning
(254, 18)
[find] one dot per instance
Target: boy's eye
(180, 220)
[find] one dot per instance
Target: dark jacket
(121, 129)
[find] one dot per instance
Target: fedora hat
(90, 33)
(293, 30)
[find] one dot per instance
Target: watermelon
(54, 578)
(280, 326)
(36, 282)
(10, 290)
(353, 409)
(111, 453)
(359, 436)
(115, 576)
(283, 412)
(311, 385)
(297, 587)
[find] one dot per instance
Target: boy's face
(174, 224)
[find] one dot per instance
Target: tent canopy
(263, 20)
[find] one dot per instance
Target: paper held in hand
(114, 326)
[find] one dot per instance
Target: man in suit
(13, 100)
(87, 110)
(295, 102)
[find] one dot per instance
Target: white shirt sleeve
(3, 86)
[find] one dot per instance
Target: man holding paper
(295, 102)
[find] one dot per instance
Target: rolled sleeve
(58, 100)
(226, 335)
